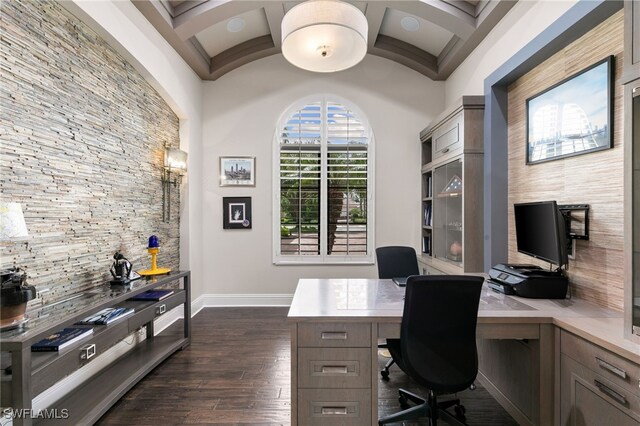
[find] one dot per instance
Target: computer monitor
(541, 232)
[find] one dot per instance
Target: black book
(154, 295)
(61, 339)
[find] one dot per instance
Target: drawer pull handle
(334, 369)
(612, 368)
(610, 392)
(334, 335)
(332, 411)
(444, 151)
(88, 352)
(161, 309)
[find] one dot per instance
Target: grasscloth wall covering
(595, 179)
(82, 136)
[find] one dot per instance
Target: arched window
(323, 185)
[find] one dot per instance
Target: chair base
(430, 408)
(385, 371)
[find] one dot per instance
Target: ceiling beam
(375, 15)
(490, 15)
(209, 13)
(440, 13)
(275, 12)
(243, 53)
(160, 19)
(406, 54)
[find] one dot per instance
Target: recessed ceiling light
(235, 25)
(410, 23)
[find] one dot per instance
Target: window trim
(323, 258)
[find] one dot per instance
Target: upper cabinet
(632, 168)
(452, 190)
(631, 40)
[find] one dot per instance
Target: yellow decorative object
(154, 267)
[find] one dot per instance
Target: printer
(528, 281)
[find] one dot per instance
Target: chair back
(438, 331)
(396, 261)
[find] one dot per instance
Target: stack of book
(107, 316)
(61, 339)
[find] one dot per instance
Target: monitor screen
(540, 231)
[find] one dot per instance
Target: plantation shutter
(323, 184)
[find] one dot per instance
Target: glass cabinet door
(447, 215)
(635, 293)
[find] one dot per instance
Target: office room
(320, 212)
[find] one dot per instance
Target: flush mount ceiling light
(324, 35)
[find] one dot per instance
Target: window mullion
(324, 195)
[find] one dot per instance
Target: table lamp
(15, 293)
(153, 249)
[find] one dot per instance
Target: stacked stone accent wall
(82, 138)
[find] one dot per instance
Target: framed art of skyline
(572, 117)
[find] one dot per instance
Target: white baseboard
(228, 300)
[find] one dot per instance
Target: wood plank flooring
(237, 372)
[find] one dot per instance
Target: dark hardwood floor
(237, 372)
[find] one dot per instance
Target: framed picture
(236, 212)
(237, 171)
(572, 117)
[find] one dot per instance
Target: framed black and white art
(236, 212)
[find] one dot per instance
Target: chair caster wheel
(384, 374)
(460, 411)
(404, 402)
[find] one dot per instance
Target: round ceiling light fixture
(410, 23)
(324, 35)
(235, 25)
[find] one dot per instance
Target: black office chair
(437, 346)
(395, 261)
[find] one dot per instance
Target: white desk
(336, 324)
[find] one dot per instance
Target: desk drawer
(327, 407)
(589, 396)
(147, 312)
(334, 335)
(334, 368)
(618, 370)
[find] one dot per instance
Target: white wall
(525, 21)
(240, 113)
(127, 31)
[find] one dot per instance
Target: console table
(336, 324)
(26, 374)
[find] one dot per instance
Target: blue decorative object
(153, 242)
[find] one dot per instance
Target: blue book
(154, 295)
(107, 316)
(61, 339)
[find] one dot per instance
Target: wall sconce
(175, 162)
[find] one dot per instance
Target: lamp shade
(12, 224)
(324, 35)
(175, 160)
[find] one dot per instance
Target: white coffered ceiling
(201, 31)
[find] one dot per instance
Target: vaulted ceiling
(430, 36)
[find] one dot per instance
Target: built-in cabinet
(452, 191)
(631, 78)
(597, 387)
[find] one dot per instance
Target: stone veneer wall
(82, 138)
